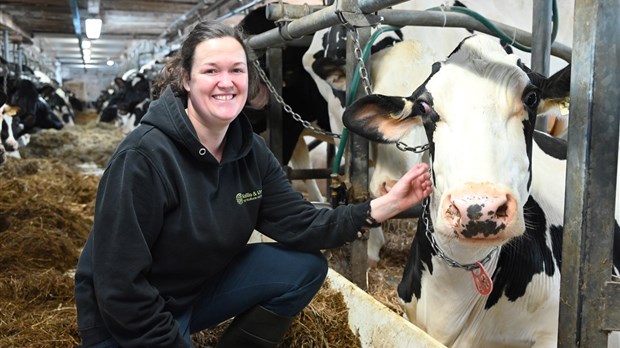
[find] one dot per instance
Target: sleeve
(129, 211)
(288, 218)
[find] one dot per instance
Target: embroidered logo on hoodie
(248, 196)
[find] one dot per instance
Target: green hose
(351, 97)
(497, 31)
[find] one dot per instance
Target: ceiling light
(86, 51)
(86, 44)
(110, 62)
(93, 28)
(86, 59)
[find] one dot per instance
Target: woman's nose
(225, 80)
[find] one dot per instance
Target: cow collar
(482, 280)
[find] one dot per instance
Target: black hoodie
(168, 216)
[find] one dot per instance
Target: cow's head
(478, 109)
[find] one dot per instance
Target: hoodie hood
(168, 115)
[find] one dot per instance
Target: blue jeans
(281, 280)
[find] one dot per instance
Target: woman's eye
(531, 99)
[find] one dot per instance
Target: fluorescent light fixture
(110, 62)
(86, 59)
(93, 28)
(87, 51)
(86, 44)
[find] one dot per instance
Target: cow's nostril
(502, 211)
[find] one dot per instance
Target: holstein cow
(325, 62)
(299, 91)
(127, 102)
(484, 269)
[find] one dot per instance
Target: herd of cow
(484, 269)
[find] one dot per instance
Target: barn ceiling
(51, 28)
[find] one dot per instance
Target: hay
(46, 212)
(322, 324)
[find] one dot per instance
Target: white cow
(390, 76)
(484, 271)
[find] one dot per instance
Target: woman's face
(218, 83)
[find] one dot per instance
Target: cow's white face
(480, 159)
(478, 109)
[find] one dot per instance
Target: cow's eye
(531, 99)
(422, 108)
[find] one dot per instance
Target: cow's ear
(380, 118)
(555, 92)
(332, 71)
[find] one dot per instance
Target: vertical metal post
(274, 121)
(541, 45)
(359, 166)
(588, 296)
(5, 40)
(20, 59)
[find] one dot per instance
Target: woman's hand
(410, 190)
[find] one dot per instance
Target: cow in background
(127, 102)
(299, 91)
(325, 62)
(34, 112)
(59, 102)
(485, 269)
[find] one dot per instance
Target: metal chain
(287, 107)
(357, 50)
(431, 237)
(417, 149)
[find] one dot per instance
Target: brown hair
(182, 61)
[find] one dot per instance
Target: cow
(325, 62)
(125, 103)
(59, 103)
(301, 94)
(484, 269)
(33, 111)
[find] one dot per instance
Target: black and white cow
(325, 62)
(484, 267)
(126, 101)
(299, 91)
(59, 103)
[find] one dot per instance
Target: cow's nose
(480, 213)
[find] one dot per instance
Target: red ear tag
(482, 280)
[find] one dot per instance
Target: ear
(185, 81)
(381, 118)
(332, 71)
(555, 91)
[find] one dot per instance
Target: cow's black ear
(558, 85)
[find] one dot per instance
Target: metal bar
(591, 173)
(612, 302)
(358, 171)
(313, 22)
(396, 18)
(302, 174)
(541, 45)
(274, 121)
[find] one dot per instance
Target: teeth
(223, 97)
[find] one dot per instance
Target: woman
(168, 256)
